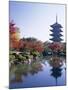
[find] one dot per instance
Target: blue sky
(34, 19)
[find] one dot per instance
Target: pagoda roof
(56, 35)
(56, 72)
(56, 39)
(56, 25)
(52, 30)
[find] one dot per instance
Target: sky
(34, 19)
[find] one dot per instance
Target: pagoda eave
(54, 30)
(56, 35)
(56, 40)
(56, 25)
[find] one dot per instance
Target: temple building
(56, 32)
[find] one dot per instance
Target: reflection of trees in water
(56, 71)
(20, 72)
(56, 62)
(35, 68)
(25, 69)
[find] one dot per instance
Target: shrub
(34, 53)
(21, 57)
(11, 57)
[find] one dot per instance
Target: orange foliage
(14, 35)
(17, 43)
(36, 45)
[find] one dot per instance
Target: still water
(50, 71)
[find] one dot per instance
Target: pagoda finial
(56, 18)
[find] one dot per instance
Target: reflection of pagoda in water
(56, 32)
(56, 73)
(56, 70)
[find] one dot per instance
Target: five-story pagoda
(56, 32)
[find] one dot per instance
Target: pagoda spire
(56, 18)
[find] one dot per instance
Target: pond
(50, 71)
